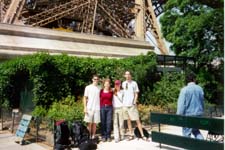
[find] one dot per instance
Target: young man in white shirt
(92, 105)
(130, 98)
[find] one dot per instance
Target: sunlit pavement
(7, 142)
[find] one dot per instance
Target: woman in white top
(118, 121)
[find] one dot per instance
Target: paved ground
(143, 145)
(7, 142)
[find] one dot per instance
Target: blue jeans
(188, 131)
(106, 121)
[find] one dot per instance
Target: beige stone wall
(22, 40)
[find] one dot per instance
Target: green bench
(210, 124)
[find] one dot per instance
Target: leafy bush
(39, 111)
(144, 112)
(66, 109)
(166, 90)
(172, 107)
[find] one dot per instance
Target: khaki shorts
(131, 112)
(93, 116)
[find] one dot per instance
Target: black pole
(159, 131)
(1, 111)
(13, 118)
(1, 117)
(54, 134)
(37, 128)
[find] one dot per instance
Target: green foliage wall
(56, 77)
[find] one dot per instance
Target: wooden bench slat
(185, 142)
(211, 124)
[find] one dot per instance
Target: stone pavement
(144, 145)
(7, 142)
(133, 145)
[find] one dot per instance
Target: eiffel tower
(120, 18)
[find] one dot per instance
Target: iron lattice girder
(13, 11)
(116, 26)
(153, 27)
(118, 22)
(89, 18)
(109, 15)
(115, 16)
(158, 6)
(56, 13)
(123, 9)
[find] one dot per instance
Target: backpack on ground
(88, 145)
(79, 133)
(138, 134)
(62, 135)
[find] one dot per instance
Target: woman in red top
(106, 110)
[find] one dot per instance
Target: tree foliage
(195, 28)
(166, 90)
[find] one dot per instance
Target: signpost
(14, 112)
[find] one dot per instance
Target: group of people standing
(114, 105)
(109, 106)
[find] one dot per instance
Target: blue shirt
(190, 101)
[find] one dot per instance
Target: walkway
(7, 143)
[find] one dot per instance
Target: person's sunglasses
(95, 79)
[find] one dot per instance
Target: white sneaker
(122, 138)
(117, 140)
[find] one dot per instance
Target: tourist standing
(130, 100)
(190, 103)
(91, 103)
(106, 110)
(118, 121)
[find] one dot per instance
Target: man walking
(190, 103)
(130, 98)
(92, 105)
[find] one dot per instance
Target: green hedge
(55, 77)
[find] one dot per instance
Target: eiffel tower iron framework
(110, 17)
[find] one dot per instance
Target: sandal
(130, 137)
(144, 138)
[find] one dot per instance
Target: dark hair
(95, 75)
(190, 77)
(128, 71)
